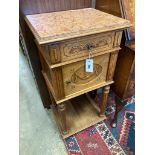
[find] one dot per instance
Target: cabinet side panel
(112, 65)
(57, 82)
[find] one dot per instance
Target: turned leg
(53, 103)
(62, 115)
(104, 100)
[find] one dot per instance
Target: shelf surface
(80, 114)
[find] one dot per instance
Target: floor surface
(39, 134)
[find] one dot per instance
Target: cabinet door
(76, 79)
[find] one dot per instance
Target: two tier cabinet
(78, 51)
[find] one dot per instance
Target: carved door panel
(77, 79)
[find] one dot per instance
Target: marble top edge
(58, 26)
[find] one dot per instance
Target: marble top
(57, 26)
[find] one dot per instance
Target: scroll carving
(79, 46)
(82, 77)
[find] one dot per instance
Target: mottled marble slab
(57, 26)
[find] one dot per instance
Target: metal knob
(90, 47)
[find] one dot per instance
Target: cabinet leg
(119, 106)
(62, 116)
(104, 100)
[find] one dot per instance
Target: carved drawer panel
(80, 47)
(76, 79)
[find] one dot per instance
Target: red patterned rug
(101, 139)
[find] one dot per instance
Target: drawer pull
(90, 47)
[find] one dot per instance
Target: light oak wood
(54, 53)
(85, 57)
(112, 65)
(104, 101)
(91, 100)
(118, 37)
(75, 77)
(28, 7)
(80, 114)
(57, 83)
(63, 49)
(62, 117)
(80, 47)
(77, 93)
(45, 55)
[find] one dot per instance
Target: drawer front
(76, 79)
(80, 47)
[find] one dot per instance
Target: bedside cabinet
(70, 43)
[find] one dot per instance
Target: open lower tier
(81, 113)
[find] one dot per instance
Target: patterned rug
(101, 139)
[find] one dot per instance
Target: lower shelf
(81, 113)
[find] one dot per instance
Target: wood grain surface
(80, 114)
(128, 12)
(75, 94)
(40, 6)
(109, 6)
(76, 78)
(56, 33)
(124, 73)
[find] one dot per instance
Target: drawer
(80, 47)
(75, 78)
